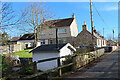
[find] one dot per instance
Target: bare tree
(7, 18)
(7, 15)
(34, 16)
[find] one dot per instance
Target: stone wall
(84, 59)
(84, 38)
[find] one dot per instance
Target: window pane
(50, 33)
(61, 41)
(42, 33)
(61, 30)
(51, 41)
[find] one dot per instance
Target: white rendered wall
(45, 55)
(66, 51)
(74, 28)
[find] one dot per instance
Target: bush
(4, 66)
(68, 60)
(27, 71)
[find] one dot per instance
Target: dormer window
(62, 31)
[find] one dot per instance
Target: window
(42, 42)
(62, 30)
(61, 41)
(42, 33)
(98, 42)
(50, 33)
(103, 42)
(51, 41)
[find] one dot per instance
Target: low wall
(110, 48)
(84, 59)
(114, 48)
(11, 48)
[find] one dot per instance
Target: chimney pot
(73, 16)
(84, 26)
(20, 35)
(84, 23)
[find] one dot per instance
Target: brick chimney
(84, 26)
(73, 16)
(20, 36)
(95, 30)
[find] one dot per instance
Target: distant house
(15, 38)
(51, 51)
(111, 43)
(27, 40)
(67, 30)
(84, 38)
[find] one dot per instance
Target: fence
(79, 60)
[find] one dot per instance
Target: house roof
(50, 47)
(14, 38)
(59, 22)
(110, 41)
(96, 34)
(29, 36)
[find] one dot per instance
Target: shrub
(5, 66)
(68, 60)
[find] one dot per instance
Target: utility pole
(113, 34)
(92, 24)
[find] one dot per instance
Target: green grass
(23, 53)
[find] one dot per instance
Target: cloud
(111, 8)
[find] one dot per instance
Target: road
(106, 68)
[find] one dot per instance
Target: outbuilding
(51, 51)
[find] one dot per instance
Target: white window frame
(62, 30)
(50, 33)
(42, 33)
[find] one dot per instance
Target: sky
(107, 17)
(59, 0)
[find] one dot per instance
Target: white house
(51, 51)
(26, 41)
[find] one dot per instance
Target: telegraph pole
(113, 34)
(92, 23)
